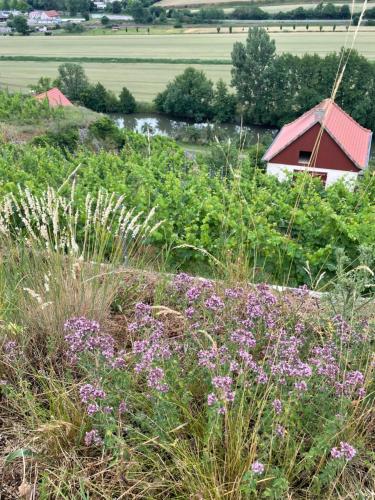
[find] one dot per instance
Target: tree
(19, 23)
(345, 12)
(253, 75)
(72, 80)
(139, 13)
(44, 83)
(73, 6)
(250, 12)
(127, 103)
(94, 97)
(105, 20)
(223, 103)
(329, 11)
(188, 96)
(116, 7)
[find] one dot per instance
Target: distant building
(325, 141)
(55, 98)
(44, 17)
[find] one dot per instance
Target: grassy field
(203, 46)
(278, 5)
(143, 80)
(146, 79)
(288, 6)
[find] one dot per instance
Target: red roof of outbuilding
(55, 98)
(52, 13)
(352, 138)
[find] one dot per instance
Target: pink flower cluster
(89, 395)
(11, 350)
(345, 450)
(153, 348)
(84, 336)
(92, 438)
(257, 468)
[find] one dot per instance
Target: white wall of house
(42, 18)
(282, 171)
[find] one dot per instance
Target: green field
(143, 80)
(272, 9)
(208, 3)
(203, 46)
(146, 79)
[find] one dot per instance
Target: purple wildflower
(301, 386)
(211, 399)
(233, 293)
(189, 312)
(280, 431)
(92, 408)
(11, 350)
(122, 407)
(344, 451)
(243, 337)
(154, 379)
(214, 303)
(193, 294)
(277, 406)
(181, 281)
(84, 336)
(301, 292)
(222, 382)
(89, 392)
(208, 358)
(142, 310)
(92, 438)
(257, 468)
(352, 380)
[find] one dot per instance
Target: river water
(190, 132)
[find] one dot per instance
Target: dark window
(304, 157)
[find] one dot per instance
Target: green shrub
(106, 130)
(127, 103)
(17, 108)
(188, 96)
(67, 138)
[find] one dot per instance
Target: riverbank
(195, 135)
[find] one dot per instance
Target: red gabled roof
(352, 138)
(52, 13)
(55, 98)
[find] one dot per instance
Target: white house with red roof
(325, 141)
(54, 97)
(44, 17)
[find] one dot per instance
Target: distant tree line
(146, 12)
(73, 7)
(276, 88)
(252, 12)
(20, 5)
(272, 89)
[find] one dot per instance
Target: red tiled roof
(52, 13)
(55, 98)
(352, 138)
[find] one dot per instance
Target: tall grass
(60, 261)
